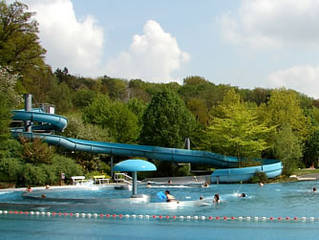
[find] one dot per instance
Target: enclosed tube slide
(46, 121)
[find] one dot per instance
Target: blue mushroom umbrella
(134, 166)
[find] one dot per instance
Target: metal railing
(124, 178)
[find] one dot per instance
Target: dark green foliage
(78, 129)
(10, 148)
(311, 154)
(5, 117)
(19, 43)
(257, 95)
(61, 96)
(104, 168)
(49, 173)
(166, 121)
(288, 149)
(36, 151)
(33, 175)
(67, 166)
(138, 89)
(198, 87)
(10, 169)
(137, 107)
(121, 123)
(83, 97)
(98, 111)
(259, 177)
(116, 88)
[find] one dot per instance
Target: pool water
(272, 200)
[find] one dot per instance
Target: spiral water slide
(40, 120)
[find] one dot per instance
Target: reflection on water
(292, 199)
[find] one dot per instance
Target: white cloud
(273, 23)
(154, 56)
(76, 44)
(304, 79)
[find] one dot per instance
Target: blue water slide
(43, 120)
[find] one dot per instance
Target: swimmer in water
(260, 184)
(169, 197)
(29, 189)
(216, 198)
(314, 189)
(243, 195)
(148, 185)
(205, 185)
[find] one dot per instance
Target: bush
(67, 166)
(36, 151)
(259, 177)
(10, 148)
(183, 171)
(104, 167)
(52, 177)
(33, 175)
(10, 169)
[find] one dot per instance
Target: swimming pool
(123, 219)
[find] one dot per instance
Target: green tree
(8, 99)
(123, 123)
(137, 89)
(137, 107)
(115, 116)
(5, 115)
(40, 82)
(116, 88)
(166, 121)
(83, 97)
(36, 152)
(288, 149)
(19, 42)
(11, 163)
(78, 129)
(284, 108)
(311, 153)
(61, 96)
(199, 109)
(98, 111)
(235, 130)
(10, 169)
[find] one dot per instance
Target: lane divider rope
(161, 217)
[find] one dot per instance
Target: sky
(244, 43)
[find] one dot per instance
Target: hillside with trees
(246, 123)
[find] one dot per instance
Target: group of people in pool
(216, 199)
(29, 189)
